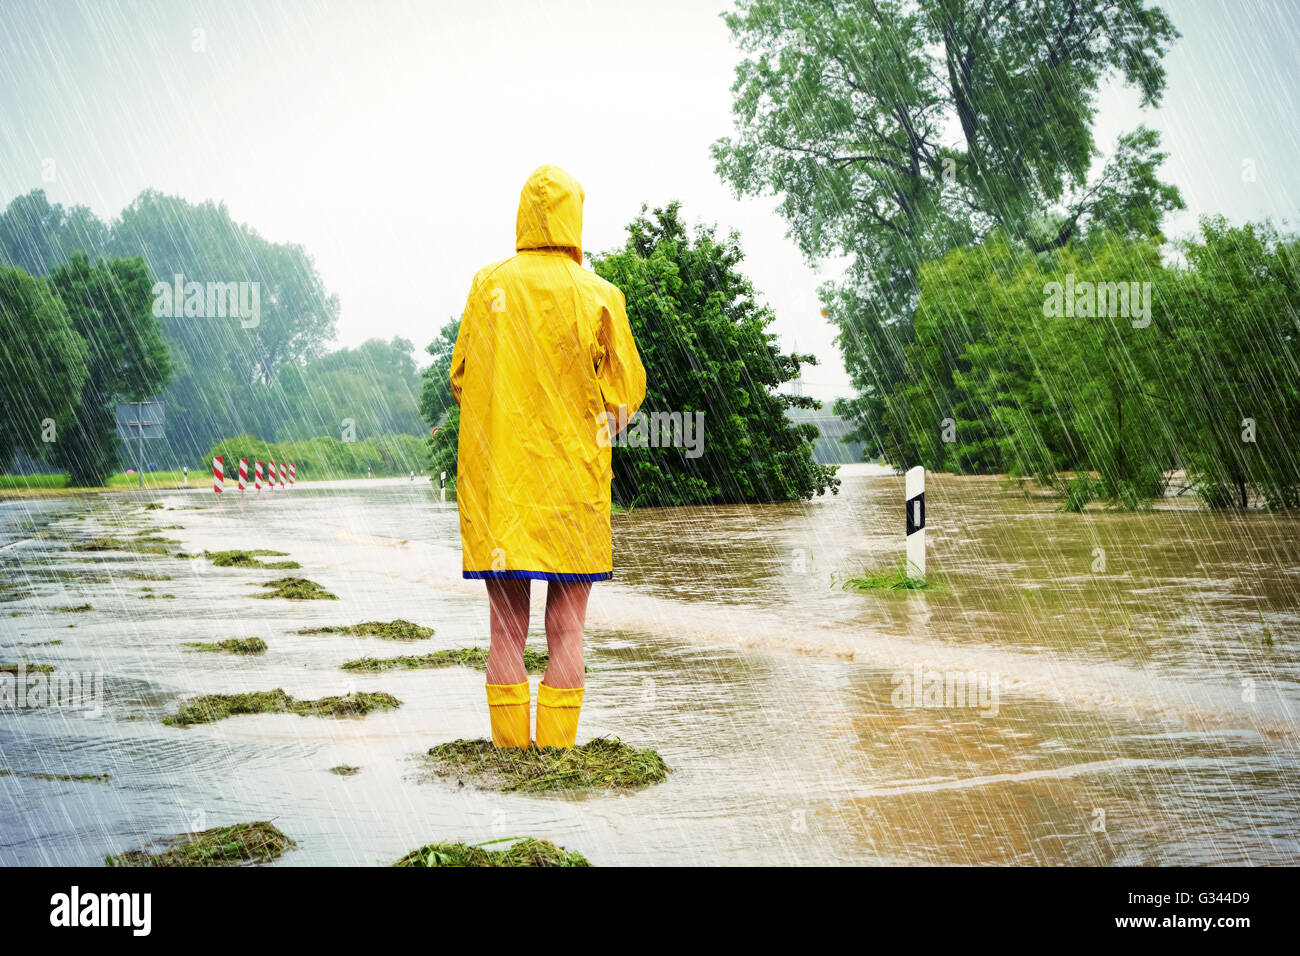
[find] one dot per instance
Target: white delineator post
(442, 485)
(243, 473)
(914, 495)
(257, 476)
(217, 476)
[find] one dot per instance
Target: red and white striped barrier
(243, 473)
(216, 474)
(292, 475)
(257, 476)
(284, 473)
(270, 475)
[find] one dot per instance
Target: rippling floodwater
(1147, 682)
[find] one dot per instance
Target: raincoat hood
(550, 213)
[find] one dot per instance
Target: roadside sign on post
(138, 421)
(914, 494)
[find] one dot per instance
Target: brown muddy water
(1135, 682)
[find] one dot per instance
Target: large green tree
(896, 130)
(703, 337)
(1232, 365)
(110, 305)
(42, 365)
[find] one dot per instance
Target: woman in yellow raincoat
(544, 359)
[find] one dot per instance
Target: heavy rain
(906, 391)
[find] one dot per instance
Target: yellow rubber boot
(557, 715)
(508, 707)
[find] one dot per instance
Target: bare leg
(566, 612)
(508, 600)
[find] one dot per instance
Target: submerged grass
(146, 545)
(397, 630)
(248, 559)
(237, 645)
(209, 708)
(146, 576)
(296, 589)
(345, 770)
(605, 763)
(243, 843)
(524, 852)
(72, 608)
(28, 668)
(60, 777)
(899, 578)
(476, 657)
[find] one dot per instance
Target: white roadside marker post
(915, 506)
(442, 485)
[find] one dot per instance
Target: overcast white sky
(390, 139)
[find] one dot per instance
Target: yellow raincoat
(544, 353)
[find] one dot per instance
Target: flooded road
(1138, 681)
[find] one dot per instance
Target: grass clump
(398, 630)
(248, 559)
(147, 545)
(210, 708)
(297, 589)
(237, 645)
(28, 668)
(62, 777)
(899, 578)
(476, 657)
(345, 770)
(525, 852)
(605, 763)
(146, 576)
(236, 845)
(72, 608)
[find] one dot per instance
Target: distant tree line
(218, 374)
(1101, 369)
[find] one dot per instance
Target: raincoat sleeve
(618, 364)
(461, 351)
